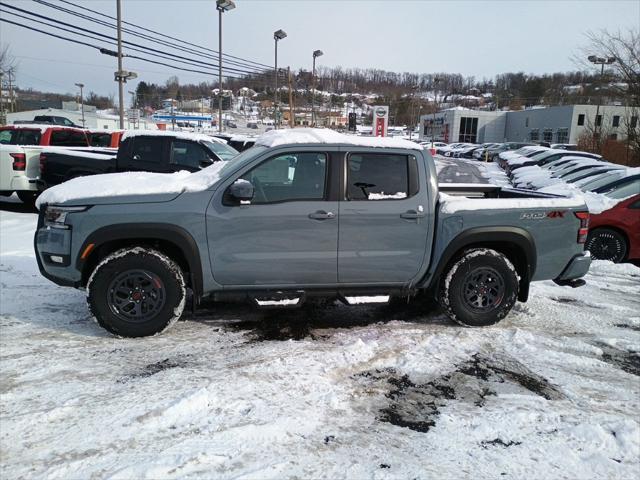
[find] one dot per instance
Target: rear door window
(68, 138)
(381, 176)
(100, 139)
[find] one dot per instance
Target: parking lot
(371, 391)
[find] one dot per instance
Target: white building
(94, 119)
(559, 124)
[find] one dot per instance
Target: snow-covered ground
(367, 391)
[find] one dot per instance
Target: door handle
(322, 215)
(411, 215)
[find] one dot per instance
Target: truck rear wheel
(480, 288)
(136, 292)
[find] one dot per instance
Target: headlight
(55, 217)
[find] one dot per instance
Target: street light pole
(277, 35)
(222, 6)
(121, 80)
(316, 54)
(602, 62)
(81, 86)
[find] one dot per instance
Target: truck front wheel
(136, 292)
(480, 288)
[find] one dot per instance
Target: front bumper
(53, 254)
(577, 267)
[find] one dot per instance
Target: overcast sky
(480, 38)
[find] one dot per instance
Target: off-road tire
(136, 292)
(479, 288)
(606, 244)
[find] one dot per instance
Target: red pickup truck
(43, 135)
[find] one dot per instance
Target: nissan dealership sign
(380, 121)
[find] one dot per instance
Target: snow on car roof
(196, 137)
(276, 138)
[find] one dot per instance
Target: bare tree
(624, 47)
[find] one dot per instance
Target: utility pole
(291, 115)
(81, 86)
(120, 73)
(277, 35)
(2, 120)
(222, 6)
(316, 54)
(11, 101)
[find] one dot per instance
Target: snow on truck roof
(275, 138)
(196, 137)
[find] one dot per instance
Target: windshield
(624, 190)
(601, 180)
(222, 150)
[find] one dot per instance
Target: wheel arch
(173, 241)
(513, 242)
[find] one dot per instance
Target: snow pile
(131, 183)
(357, 392)
(275, 138)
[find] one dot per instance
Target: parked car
(237, 142)
(506, 147)
(19, 172)
(544, 157)
(265, 225)
(55, 120)
(105, 138)
(44, 135)
(466, 152)
(564, 146)
(614, 234)
(151, 151)
(526, 151)
(252, 125)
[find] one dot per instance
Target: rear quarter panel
(554, 237)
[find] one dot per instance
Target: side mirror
(241, 190)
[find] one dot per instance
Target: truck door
(287, 234)
(147, 154)
(384, 219)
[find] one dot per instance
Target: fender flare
(488, 237)
(145, 231)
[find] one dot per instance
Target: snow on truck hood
(276, 138)
(131, 183)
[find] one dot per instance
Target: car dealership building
(560, 124)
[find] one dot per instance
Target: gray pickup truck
(297, 216)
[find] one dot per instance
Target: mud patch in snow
(155, 368)
(619, 358)
(417, 406)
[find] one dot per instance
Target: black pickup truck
(151, 151)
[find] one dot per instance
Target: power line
(132, 46)
(102, 49)
(229, 58)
